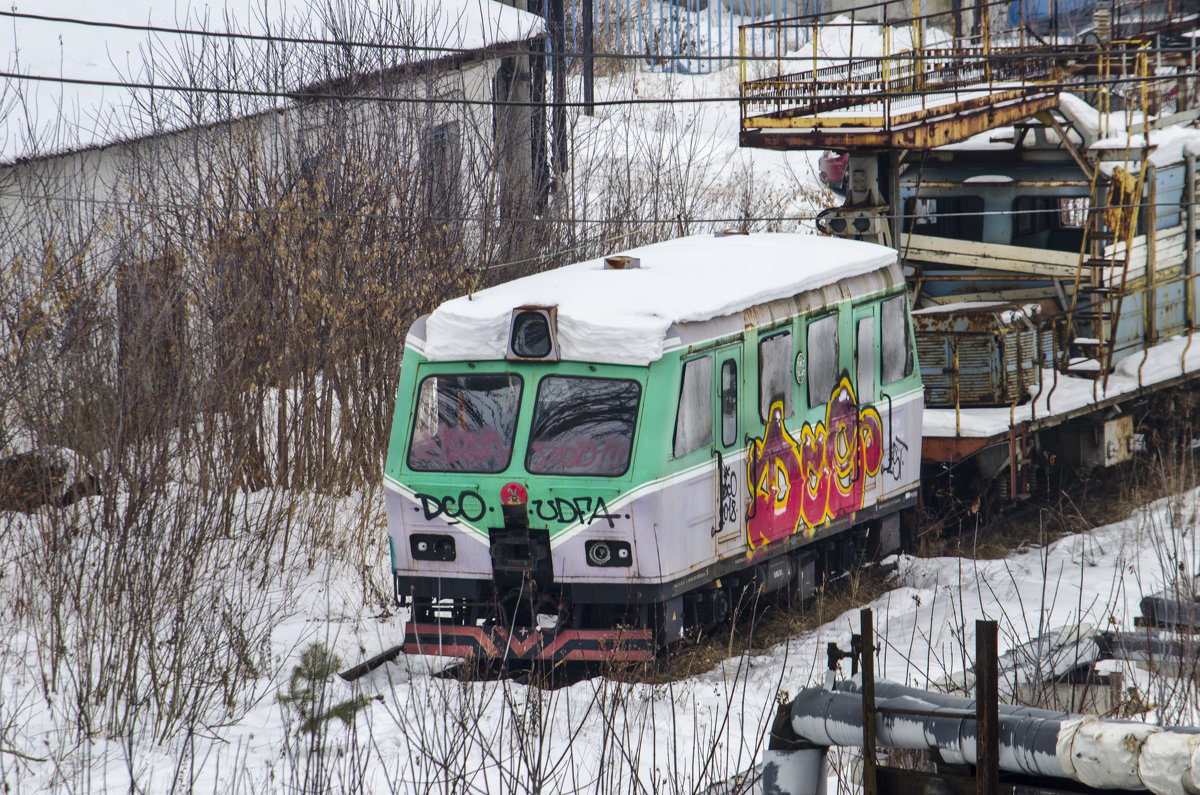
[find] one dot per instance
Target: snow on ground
(422, 733)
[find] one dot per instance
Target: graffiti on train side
(799, 484)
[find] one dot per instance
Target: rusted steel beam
(928, 134)
(805, 116)
(951, 450)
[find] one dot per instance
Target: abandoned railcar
(1054, 267)
(592, 462)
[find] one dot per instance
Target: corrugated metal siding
(1131, 331)
(1168, 196)
(1169, 310)
(994, 367)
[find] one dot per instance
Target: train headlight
(432, 546)
(608, 553)
(531, 334)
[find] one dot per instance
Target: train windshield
(583, 426)
(465, 423)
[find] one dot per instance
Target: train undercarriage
(522, 614)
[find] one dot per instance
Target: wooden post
(987, 710)
(867, 633)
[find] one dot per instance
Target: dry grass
(1091, 499)
(761, 626)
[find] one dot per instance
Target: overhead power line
(302, 95)
(677, 219)
(755, 28)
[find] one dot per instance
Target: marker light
(513, 494)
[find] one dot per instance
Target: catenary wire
(300, 94)
(457, 51)
(675, 219)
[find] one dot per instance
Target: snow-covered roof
(1100, 133)
(1168, 145)
(39, 118)
(623, 316)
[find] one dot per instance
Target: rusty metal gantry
(913, 96)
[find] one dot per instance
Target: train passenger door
(866, 379)
(727, 448)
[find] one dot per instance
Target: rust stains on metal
(912, 131)
(978, 354)
(951, 449)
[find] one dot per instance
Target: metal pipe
(1026, 744)
(1030, 741)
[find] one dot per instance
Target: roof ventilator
(621, 262)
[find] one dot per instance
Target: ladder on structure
(1099, 289)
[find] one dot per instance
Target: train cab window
(866, 358)
(694, 419)
(955, 217)
(822, 359)
(582, 426)
(775, 365)
(897, 346)
(728, 402)
(465, 423)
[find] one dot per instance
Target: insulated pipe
(1027, 744)
(888, 689)
(1099, 753)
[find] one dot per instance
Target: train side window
(822, 359)
(775, 365)
(694, 419)
(897, 347)
(956, 217)
(728, 402)
(865, 354)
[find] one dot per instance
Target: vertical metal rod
(987, 710)
(710, 65)
(589, 66)
(1150, 213)
(867, 632)
(1189, 261)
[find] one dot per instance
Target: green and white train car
(592, 462)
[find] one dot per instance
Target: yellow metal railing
(906, 70)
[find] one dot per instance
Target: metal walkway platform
(907, 100)
(892, 92)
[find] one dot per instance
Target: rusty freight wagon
(1041, 194)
